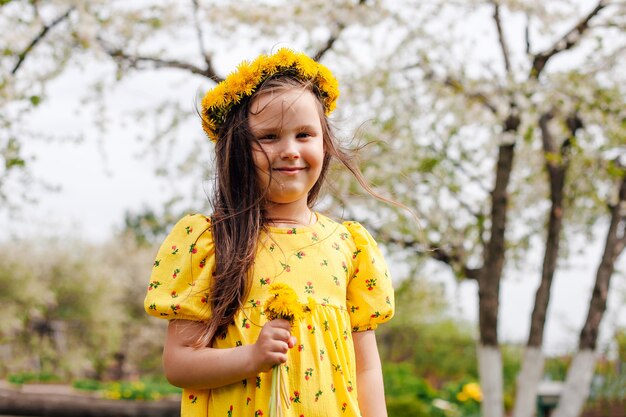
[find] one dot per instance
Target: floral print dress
(335, 268)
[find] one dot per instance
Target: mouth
(289, 170)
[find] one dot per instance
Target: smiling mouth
(289, 170)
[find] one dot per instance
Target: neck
(288, 215)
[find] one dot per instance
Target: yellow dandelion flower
(238, 83)
(282, 304)
(330, 108)
(248, 79)
(473, 391)
(271, 69)
(324, 73)
(307, 68)
(208, 123)
(232, 96)
(216, 97)
(284, 57)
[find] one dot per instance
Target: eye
(302, 135)
(268, 137)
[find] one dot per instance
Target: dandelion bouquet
(281, 304)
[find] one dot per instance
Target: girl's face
(290, 149)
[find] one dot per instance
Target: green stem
(273, 398)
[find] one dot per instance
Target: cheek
(260, 159)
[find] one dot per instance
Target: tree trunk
(489, 358)
(533, 361)
(577, 385)
(527, 382)
(579, 375)
(490, 368)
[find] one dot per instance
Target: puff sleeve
(370, 297)
(180, 278)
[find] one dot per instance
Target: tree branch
(451, 257)
(39, 38)
(134, 61)
(330, 42)
(571, 38)
(454, 84)
(503, 45)
(621, 244)
(199, 34)
(477, 96)
(527, 34)
(557, 172)
(612, 250)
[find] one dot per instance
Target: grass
(144, 389)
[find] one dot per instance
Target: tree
(459, 106)
(520, 95)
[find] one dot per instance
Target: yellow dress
(336, 268)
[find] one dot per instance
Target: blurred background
(502, 124)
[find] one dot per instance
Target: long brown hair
(238, 202)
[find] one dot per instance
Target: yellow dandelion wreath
(244, 81)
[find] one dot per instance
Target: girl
(211, 275)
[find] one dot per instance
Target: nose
(289, 149)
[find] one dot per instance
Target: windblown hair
(238, 202)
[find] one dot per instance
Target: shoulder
(190, 228)
(360, 235)
(348, 228)
(182, 271)
(190, 235)
(192, 224)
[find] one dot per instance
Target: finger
(281, 323)
(280, 334)
(292, 341)
(281, 357)
(281, 347)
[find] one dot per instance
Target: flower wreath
(220, 100)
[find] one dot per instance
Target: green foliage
(511, 365)
(409, 407)
(444, 349)
(88, 384)
(402, 380)
(12, 154)
(145, 389)
(30, 377)
(437, 346)
(407, 393)
(464, 395)
(555, 368)
(410, 394)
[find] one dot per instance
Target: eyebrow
(266, 130)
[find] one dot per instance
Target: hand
(272, 346)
